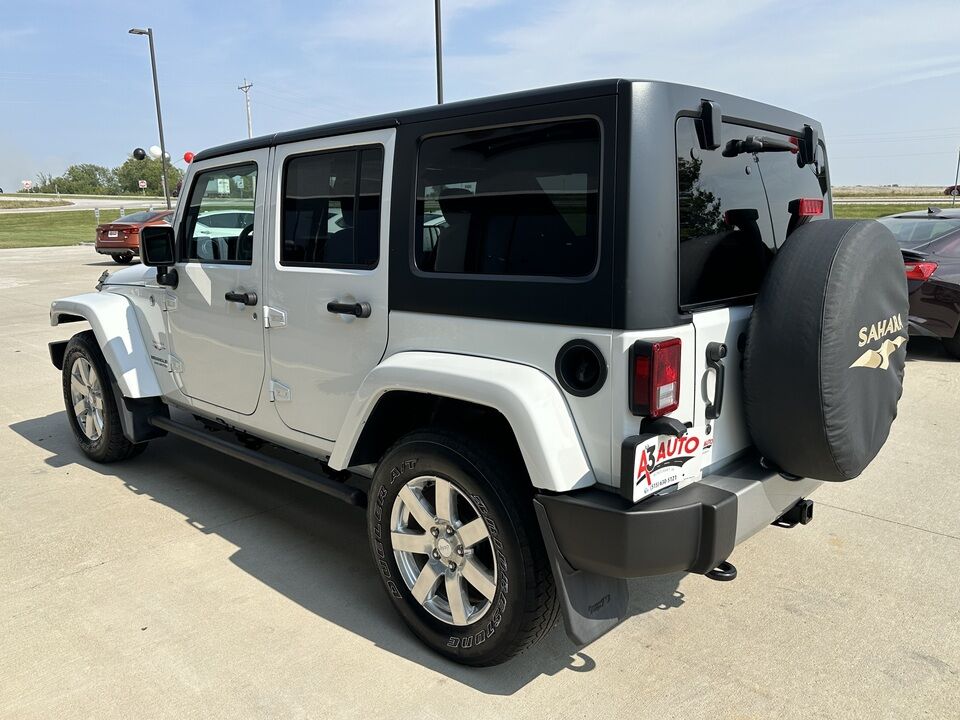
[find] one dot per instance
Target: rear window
(728, 232)
(913, 232)
(520, 200)
(139, 217)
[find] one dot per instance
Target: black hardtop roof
(559, 93)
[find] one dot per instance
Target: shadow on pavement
(311, 548)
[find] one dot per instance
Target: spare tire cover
(825, 352)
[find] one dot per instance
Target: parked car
(121, 238)
(930, 240)
(551, 340)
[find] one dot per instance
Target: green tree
(699, 208)
(82, 179)
(128, 175)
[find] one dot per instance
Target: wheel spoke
(417, 506)
(446, 501)
(88, 425)
(85, 370)
(79, 407)
(426, 582)
(473, 532)
(97, 401)
(419, 543)
(474, 574)
(77, 386)
(97, 421)
(457, 599)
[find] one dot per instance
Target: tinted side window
(520, 200)
(218, 224)
(726, 238)
(331, 209)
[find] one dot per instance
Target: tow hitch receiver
(799, 514)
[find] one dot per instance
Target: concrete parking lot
(184, 584)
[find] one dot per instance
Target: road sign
(955, 192)
(223, 186)
(96, 214)
(27, 184)
(142, 184)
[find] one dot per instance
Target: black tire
(123, 259)
(111, 445)
(525, 606)
(953, 344)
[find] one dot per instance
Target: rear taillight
(920, 270)
(655, 377)
(806, 207)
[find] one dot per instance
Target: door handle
(716, 352)
(360, 309)
(247, 298)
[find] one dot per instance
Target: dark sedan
(930, 241)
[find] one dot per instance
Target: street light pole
(436, 7)
(956, 179)
(156, 93)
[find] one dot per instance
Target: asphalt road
(78, 203)
(182, 584)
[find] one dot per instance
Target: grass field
(6, 204)
(867, 212)
(18, 230)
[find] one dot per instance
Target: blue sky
(75, 87)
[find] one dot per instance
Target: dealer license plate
(113, 233)
(664, 461)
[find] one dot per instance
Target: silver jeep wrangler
(551, 340)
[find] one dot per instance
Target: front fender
(529, 400)
(114, 322)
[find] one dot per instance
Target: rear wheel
(953, 344)
(90, 403)
(123, 258)
(458, 548)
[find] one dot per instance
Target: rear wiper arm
(757, 144)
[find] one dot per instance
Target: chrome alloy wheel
(87, 397)
(443, 550)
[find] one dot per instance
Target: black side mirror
(808, 146)
(158, 249)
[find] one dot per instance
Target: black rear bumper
(693, 529)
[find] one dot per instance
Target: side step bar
(317, 481)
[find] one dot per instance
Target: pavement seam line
(887, 520)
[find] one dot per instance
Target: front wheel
(456, 542)
(90, 403)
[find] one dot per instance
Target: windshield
(912, 232)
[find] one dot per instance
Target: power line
(245, 88)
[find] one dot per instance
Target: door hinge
(176, 364)
(274, 318)
(168, 302)
(279, 392)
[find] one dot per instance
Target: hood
(133, 275)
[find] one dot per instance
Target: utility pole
(436, 7)
(245, 88)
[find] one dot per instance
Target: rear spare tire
(824, 359)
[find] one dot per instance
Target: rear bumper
(693, 529)
(118, 250)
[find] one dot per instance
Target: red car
(121, 238)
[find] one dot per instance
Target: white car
(551, 340)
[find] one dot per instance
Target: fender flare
(528, 398)
(113, 320)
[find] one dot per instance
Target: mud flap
(591, 604)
